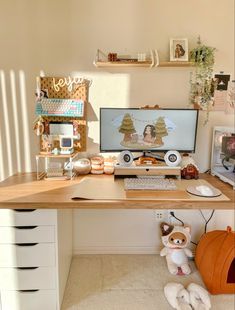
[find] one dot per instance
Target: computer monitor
(157, 130)
(66, 142)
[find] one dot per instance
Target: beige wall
(60, 37)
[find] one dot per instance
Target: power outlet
(159, 215)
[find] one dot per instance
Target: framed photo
(178, 49)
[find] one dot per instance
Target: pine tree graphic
(127, 127)
(161, 130)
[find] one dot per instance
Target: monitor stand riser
(146, 170)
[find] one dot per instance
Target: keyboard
(149, 184)
(60, 107)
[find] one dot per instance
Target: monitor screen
(66, 142)
(147, 129)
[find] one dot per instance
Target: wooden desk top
(23, 191)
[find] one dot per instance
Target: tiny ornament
(189, 169)
(38, 127)
(176, 239)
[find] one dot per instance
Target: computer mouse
(205, 190)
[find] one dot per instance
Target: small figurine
(190, 172)
(189, 169)
(176, 239)
(46, 144)
(38, 126)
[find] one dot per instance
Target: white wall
(60, 37)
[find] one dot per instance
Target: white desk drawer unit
(27, 255)
(32, 258)
(29, 300)
(27, 278)
(27, 217)
(27, 234)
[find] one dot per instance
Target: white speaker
(172, 158)
(125, 158)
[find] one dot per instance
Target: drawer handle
(25, 227)
(24, 210)
(26, 268)
(27, 291)
(26, 244)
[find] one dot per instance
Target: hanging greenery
(201, 80)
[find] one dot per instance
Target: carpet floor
(126, 282)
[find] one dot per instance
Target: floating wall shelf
(153, 61)
(102, 64)
(176, 64)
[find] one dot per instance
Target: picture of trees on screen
(151, 134)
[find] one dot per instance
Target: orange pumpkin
(215, 260)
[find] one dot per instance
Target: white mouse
(205, 190)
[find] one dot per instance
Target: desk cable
(206, 221)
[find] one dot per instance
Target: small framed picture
(178, 49)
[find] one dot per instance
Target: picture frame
(178, 49)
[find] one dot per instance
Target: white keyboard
(149, 184)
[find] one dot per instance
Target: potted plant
(201, 80)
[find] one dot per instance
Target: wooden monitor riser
(144, 170)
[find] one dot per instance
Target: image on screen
(66, 142)
(148, 130)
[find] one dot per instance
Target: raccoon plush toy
(175, 240)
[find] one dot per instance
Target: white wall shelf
(101, 61)
(100, 64)
(176, 64)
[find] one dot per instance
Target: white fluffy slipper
(199, 297)
(177, 296)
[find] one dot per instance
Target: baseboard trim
(117, 250)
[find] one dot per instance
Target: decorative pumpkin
(215, 260)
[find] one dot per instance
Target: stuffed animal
(176, 239)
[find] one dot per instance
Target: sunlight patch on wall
(106, 90)
(25, 119)
(2, 169)
(6, 125)
(16, 119)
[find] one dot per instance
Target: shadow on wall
(15, 150)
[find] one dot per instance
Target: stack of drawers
(28, 260)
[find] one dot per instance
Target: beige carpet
(126, 282)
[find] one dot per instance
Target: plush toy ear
(166, 228)
(188, 228)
